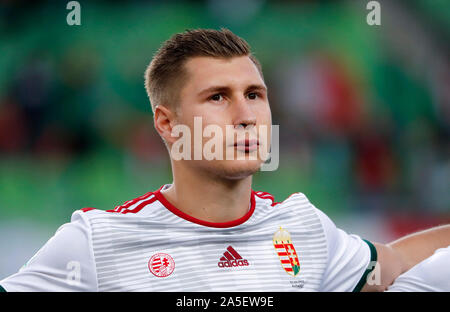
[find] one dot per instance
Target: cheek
(264, 118)
(264, 115)
(209, 114)
(198, 123)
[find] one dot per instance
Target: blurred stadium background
(364, 111)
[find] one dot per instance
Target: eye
(252, 95)
(216, 97)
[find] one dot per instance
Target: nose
(244, 115)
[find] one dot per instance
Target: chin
(235, 169)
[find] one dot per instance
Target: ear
(164, 120)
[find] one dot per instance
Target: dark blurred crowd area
(362, 109)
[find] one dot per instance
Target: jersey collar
(189, 218)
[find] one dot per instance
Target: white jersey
(431, 275)
(147, 244)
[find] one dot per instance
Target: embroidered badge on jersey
(161, 265)
(286, 252)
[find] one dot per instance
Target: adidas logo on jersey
(231, 258)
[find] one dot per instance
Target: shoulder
(306, 213)
(295, 200)
(296, 210)
(56, 266)
(295, 204)
(134, 206)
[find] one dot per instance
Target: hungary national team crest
(161, 264)
(286, 251)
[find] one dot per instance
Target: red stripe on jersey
(132, 202)
(87, 209)
(140, 206)
(135, 209)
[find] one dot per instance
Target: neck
(208, 198)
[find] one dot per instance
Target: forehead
(206, 71)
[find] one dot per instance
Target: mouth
(247, 145)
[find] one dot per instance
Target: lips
(248, 145)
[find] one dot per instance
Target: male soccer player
(208, 230)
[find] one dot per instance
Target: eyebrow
(253, 87)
